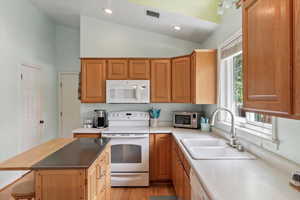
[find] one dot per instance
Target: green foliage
(238, 79)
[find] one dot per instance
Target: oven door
(129, 153)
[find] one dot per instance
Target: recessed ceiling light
(108, 11)
(177, 28)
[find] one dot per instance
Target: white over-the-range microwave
(127, 91)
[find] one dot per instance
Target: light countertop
(238, 179)
(88, 130)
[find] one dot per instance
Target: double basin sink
(213, 149)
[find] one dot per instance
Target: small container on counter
(88, 123)
(205, 126)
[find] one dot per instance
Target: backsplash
(87, 110)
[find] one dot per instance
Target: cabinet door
(139, 69)
(92, 182)
(93, 77)
(181, 80)
(152, 157)
(296, 58)
(267, 56)
(193, 79)
(174, 160)
(161, 81)
(108, 174)
(180, 180)
(186, 187)
(203, 76)
(160, 158)
(96, 178)
(117, 69)
(60, 184)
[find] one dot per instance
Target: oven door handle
(124, 137)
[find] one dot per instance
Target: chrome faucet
(233, 141)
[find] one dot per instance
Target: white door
(32, 122)
(69, 104)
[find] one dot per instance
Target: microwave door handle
(137, 93)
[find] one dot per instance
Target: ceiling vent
(152, 13)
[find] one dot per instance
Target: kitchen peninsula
(67, 168)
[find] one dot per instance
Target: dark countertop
(79, 154)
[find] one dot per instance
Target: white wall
(287, 130)
(27, 36)
(103, 39)
(67, 49)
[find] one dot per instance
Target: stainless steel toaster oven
(186, 119)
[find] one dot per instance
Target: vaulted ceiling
(197, 18)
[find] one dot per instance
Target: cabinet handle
(98, 172)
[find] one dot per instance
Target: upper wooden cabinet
(117, 69)
(161, 81)
(139, 69)
(204, 76)
(267, 50)
(296, 71)
(93, 77)
(181, 80)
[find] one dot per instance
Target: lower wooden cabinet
(76, 184)
(86, 135)
(186, 186)
(160, 157)
(60, 184)
(180, 174)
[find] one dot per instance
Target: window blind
(232, 47)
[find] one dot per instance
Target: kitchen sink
(213, 149)
(202, 142)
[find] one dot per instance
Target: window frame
(259, 129)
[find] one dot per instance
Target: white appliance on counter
(129, 133)
(127, 91)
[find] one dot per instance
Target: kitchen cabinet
(139, 69)
(90, 184)
(117, 69)
(52, 184)
(98, 186)
(86, 135)
(181, 80)
(267, 51)
(160, 80)
(204, 77)
(180, 173)
(93, 77)
(160, 157)
(296, 72)
(186, 186)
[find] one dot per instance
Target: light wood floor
(5, 193)
(142, 193)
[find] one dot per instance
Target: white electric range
(129, 133)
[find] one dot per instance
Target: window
(231, 90)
